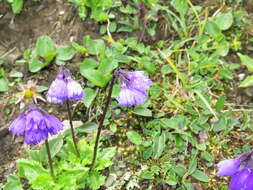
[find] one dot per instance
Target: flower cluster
(64, 88)
(134, 86)
(36, 125)
(240, 169)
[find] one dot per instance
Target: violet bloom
(134, 87)
(36, 125)
(228, 167)
(242, 180)
(241, 171)
(64, 88)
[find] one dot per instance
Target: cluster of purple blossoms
(64, 88)
(240, 169)
(134, 87)
(36, 125)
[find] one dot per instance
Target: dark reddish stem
(72, 128)
(50, 159)
(101, 123)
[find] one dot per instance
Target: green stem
(101, 123)
(72, 128)
(50, 159)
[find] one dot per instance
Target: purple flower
(228, 167)
(134, 87)
(64, 88)
(242, 180)
(130, 97)
(35, 124)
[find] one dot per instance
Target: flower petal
(240, 179)
(130, 97)
(75, 91)
(17, 127)
(228, 167)
(57, 92)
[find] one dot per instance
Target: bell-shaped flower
(242, 180)
(64, 88)
(36, 125)
(133, 87)
(228, 167)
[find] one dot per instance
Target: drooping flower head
(241, 170)
(36, 125)
(64, 88)
(134, 87)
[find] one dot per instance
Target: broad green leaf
(159, 145)
(13, 183)
(96, 77)
(65, 53)
(181, 6)
(44, 45)
(192, 166)
(90, 95)
(79, 48)
(247, 82)
(147, 175)
(247, 61)
(88, 63)
(201, 176)
(17, 6)
(224, 20)
(94, 47)
(88, 127)
(213, 29)
(139, 110)
(4, 85)
(95, 180)
(35, 65)
(134, 137)
(99, 15)
(107, 65)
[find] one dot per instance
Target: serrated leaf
(45, 47)
(65, 53)
(35, 65)
(90, 95)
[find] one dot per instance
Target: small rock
(61, 12)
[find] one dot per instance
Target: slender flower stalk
(50, 159)
(101, 122)
(72, 128)
(65, 89)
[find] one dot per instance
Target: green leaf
(16, 74)
(17, 6)
(35, 65)
(13, 183)
(213, 29)
(159, 145)
(95, 180)
(147, 175)
(55, 146)
(65, 53)
(107, 65)
(247, 61)
(181, 6)
(140, 110)
(90, 95)
(94, 47)
(134, 137)
(45, 47)
(4, 85)
(220, 103)
(201, 176)
(247, 82)
(224, 20)
(79, 48)
(88, 127)
(96, 77)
